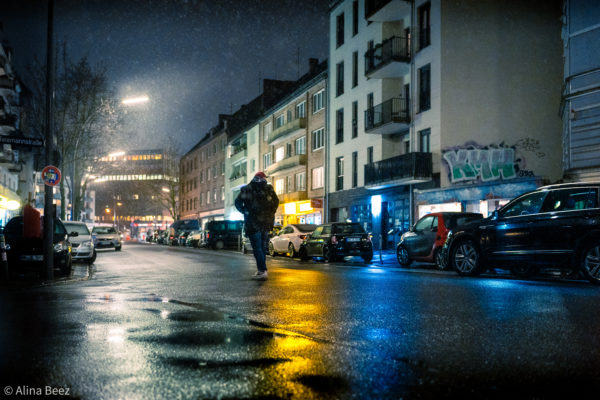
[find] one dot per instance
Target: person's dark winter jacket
(258, 202)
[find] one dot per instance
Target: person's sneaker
(260, 275)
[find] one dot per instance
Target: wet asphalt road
(154, 322)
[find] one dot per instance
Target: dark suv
(553, 226)
(221, 234)
(335, 241)
(27, 254)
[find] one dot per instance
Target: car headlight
(61, 246)
(87, 244)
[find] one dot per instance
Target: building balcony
(293, 196)
(386, 10)
(389, 59)
(238, 181)
(285, 164)
(400, 170)
(238, 156)
(292, 127)
(388, 117)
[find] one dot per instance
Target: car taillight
(207, 235)
(334, 239)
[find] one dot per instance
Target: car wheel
(465, 258)
(272, 251)
(303, 254)
(291, 251)
(524, 270)
(92, 258)
(402, 256)
(367, 258)
(590, 263)
(439, 259)
(219, 245)
(117, 248)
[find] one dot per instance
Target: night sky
(194, 58)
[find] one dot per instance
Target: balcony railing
(404, 169)
(394, 49)
(237, 148)
(387, 116)
(286, 163)
(286, 129)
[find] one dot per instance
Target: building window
(279, 153)
(406, 142)
(289, 184)
(424, 18)
(301, 145)
(370, 155)
(424, 76)
(208, 174)
(279, 121)
(214, 171)
(201, 176)
(317, 101)
(318, 139)
(424, 140)
(266, 160)
(267, 131)
(339, 126)
(339, 86)
(252, 165)
(280, 186)
(202, 198)
(208, 197)
(354, 17)
(339, 31)
(223, 168)
(355, 69)
(339, 173)
(318, 180)
(301, 181)
(215, 195)
(354, 119)
(195, 203)
(301, 110)
(289, 150)
(222, 192)
(354, 169)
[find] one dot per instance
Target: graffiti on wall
(488, 163)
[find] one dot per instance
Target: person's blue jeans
(258, 240)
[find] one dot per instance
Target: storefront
(8, 208)
(300, 212)
(483, 198)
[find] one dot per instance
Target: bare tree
(87, 119)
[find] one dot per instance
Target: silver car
(81, 241)
(106, 237)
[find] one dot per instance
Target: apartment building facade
(580, 108)
(292, 147)
(433, 107)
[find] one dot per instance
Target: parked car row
(73, 242)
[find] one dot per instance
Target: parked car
(221, 234)
(81, 241)
(247, 246)
(181, 227)
(163, 237)
(337, 240)
(289, 239)
(106, 237)
(193, 239)
(553, 226)
(27, 254)
(425, 239)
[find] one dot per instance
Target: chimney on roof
(313, 63)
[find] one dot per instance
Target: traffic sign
(21, 141)
(51, 175)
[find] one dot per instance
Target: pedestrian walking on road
(258, 202)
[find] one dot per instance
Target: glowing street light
(165, 189)
(135, 100)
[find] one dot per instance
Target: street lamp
(135, 100)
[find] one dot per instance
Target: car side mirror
(495, 214)
(74, 234)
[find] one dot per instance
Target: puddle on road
(196, 363)
(207, 337)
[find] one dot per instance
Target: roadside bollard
(3, 258)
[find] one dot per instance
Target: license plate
(32, 258)
(352, 239)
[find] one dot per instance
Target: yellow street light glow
(166, 190)
(135, 100)
(117, 154)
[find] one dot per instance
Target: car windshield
(346, 229)
(102, 230)
(79, 228)
(305, 227)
